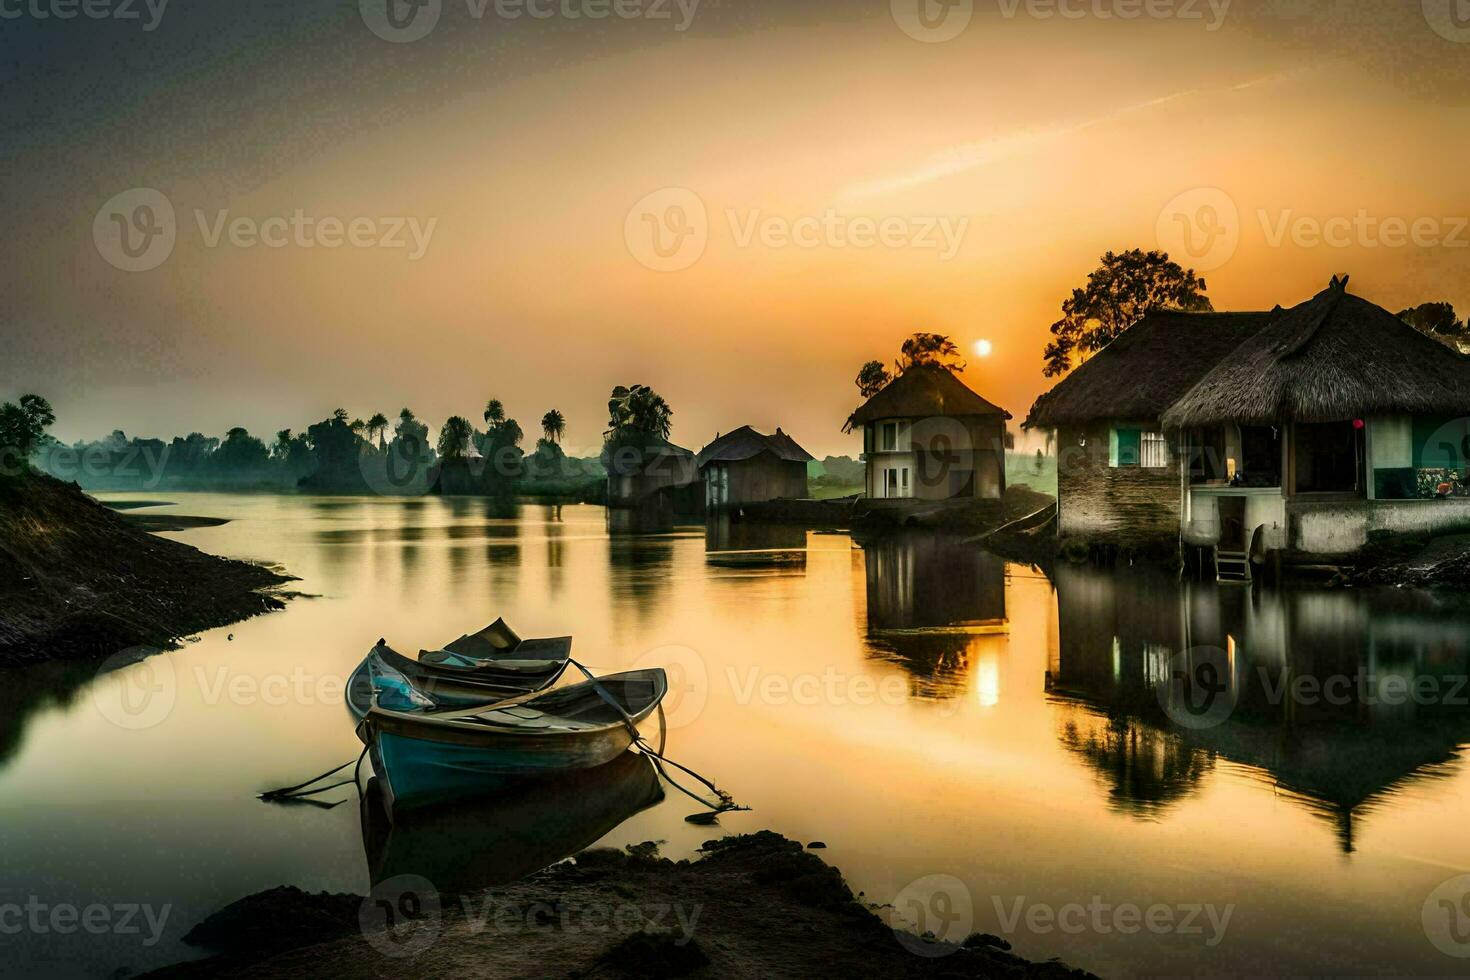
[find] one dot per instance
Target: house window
(1153, 450)
(888, 437)
(896, 482)
(1130, 448)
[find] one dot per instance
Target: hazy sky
(848, 182)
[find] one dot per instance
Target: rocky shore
(756, 905)
(78, 579)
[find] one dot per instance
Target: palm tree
(378, 425)
(494, 412)
(454, 437)
(554, 424)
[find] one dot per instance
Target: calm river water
(989, 750)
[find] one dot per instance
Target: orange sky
(1045, 141)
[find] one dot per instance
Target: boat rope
(300, 790)
(727, 802)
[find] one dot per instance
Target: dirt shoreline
(756, 905)
(78, 579)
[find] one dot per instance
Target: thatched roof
(747, 443)
(924, 392)
(1334, 357)
(1149, 367)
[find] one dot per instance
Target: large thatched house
(746, 466)
(929, 437)
(1305, 429)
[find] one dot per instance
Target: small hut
(746, 466)
(1306, 429)
(927, 436)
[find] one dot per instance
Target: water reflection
(1339, 699)
(936, 608)
(736, 544)
(475, 844)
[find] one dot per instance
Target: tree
(340, 415)
(377, 427)
(1438, 320)
(1123, 290)
(358, 427)
(282, 447)
(554, 425)
(494, 412)
(23, 429)
(638, 411)
(872, 378)
(454, 437)
(240, 453)
(930, 350)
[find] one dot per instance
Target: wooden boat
(449, 686)
(496, 643)
(532, 822)
(424, 752)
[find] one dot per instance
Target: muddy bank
(78, 579)
(758, 905)
(1442, 562)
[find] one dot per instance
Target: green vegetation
(23, 426)
(1120, 292)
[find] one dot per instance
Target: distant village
(1228, 441)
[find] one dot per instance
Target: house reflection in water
(1339, 699)
(737, 544)
(936, 608)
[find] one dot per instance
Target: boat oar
(727, 802)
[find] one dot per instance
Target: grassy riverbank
(78, 579)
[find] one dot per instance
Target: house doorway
(1328, 458)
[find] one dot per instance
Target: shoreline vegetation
(749, 905)
(78, 579)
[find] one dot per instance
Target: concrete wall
(1121, 504)
(1263, 508)
(942, 454)
(1337, 528)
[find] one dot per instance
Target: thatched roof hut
(1333, 358)
(924, 392)
(1149, 367)
(746, 443)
